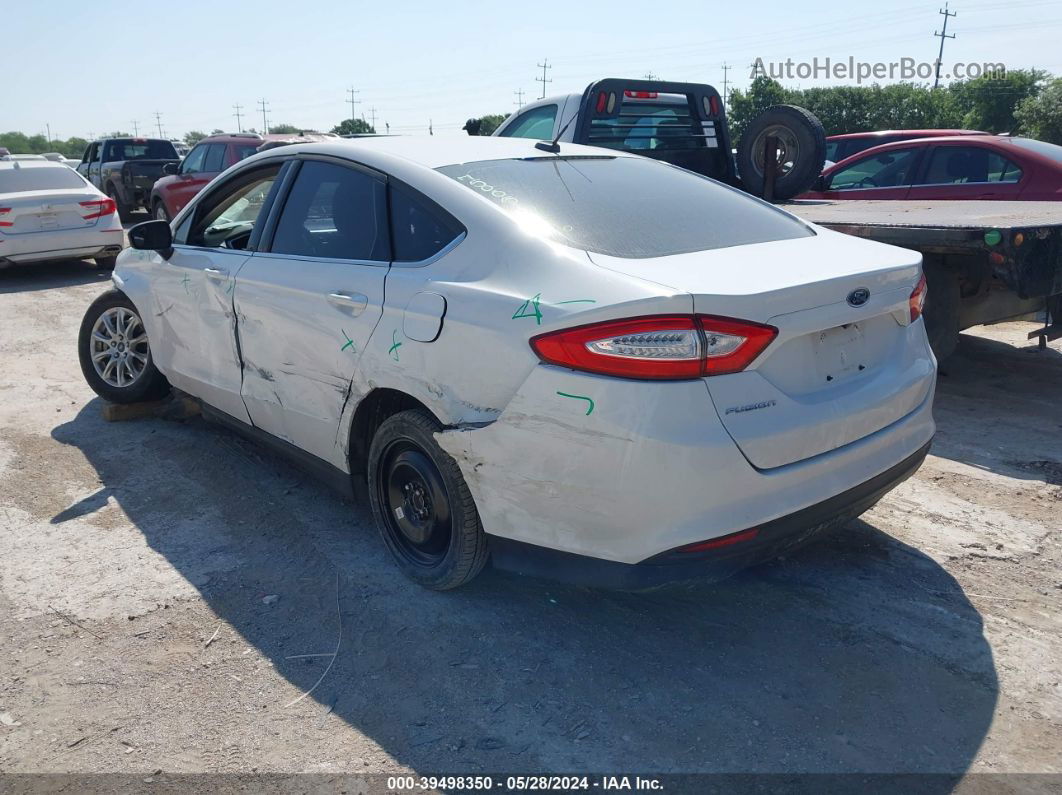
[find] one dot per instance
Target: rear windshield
(625, 206)
(139, 150)
(1052, 151)
(16, 180)
(643, 124)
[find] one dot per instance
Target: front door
(309, 301)
(193, 326)
(886, 175)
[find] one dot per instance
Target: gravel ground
(169, 593)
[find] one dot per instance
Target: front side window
(335, 212)
(420, 230)
(885, 170)
(536, 123)
(961, 165)
(227, 217)
(624, 206)
(193, 163)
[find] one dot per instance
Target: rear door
(310, 300)
(962, 171)
(884, 175)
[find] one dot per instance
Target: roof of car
(230, 138)
(436, 151)
(21, 164)
(917, 133)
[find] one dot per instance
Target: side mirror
(170, 169)
(152, 236)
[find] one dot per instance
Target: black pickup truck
(126, 168)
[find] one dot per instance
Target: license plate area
(840, 353)
(48, 220)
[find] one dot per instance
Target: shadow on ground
(50, 275)
(997, 408)
(858, 653)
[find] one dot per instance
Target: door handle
(356, 302)
(215, 273)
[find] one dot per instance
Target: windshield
(16, 180)
(624, 206)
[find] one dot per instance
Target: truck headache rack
(650, 118)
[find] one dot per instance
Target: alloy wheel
(119, 347)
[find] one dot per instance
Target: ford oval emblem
(859, 296)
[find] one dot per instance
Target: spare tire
(801, 151)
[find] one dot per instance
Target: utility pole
(239, 125)
(262, 105)
(372, 117)
(519, 94)
(943, 35)
(49, 126)
(649, 76)
(430, 130)
(158, 123)
(543, 66)
(725, 81)
(353, 101)
(387, 124)
(136, 128)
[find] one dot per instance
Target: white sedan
(48, 212)
(583, 364)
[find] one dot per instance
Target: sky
(84, 68)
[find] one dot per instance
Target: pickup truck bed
(987, 260)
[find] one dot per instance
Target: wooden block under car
(172, 408)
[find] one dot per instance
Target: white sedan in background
(48, 211)
(580, 363)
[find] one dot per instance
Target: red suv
(208, 158)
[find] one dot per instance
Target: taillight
(98, 208)
(5, 211)
(918, 298)
(722, 541)
(639, 94)
(600, 102)
(713, 104)
(657, 347)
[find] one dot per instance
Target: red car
(208, 158)
(838, 147)
(957, 167)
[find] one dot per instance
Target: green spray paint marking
(580, 397)
(578, 301)
(232, 283)
(532, 305)
(186, 281)
(349, 343)
(393, 350)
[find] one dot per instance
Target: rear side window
(244, 151)
(961, 165)
(334, 212)
(15, 180)
(420, 230)
(536, 123)
(624, 206)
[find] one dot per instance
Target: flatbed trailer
(985, 261)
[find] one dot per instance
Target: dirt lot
(168, 592)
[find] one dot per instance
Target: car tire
(106, 263)
(801, 137)
(159, 213)
(941, 310)
(422, 505)
(122, 207)
(105, 332)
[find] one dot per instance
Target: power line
(239, 125)
(158, 123)
(519, 94)
(943, 35)
(262, 105)
(544, 66)
(351, 91)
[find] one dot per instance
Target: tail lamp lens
(657, 347)
(98, 208)
(5, 211)
(917, 301)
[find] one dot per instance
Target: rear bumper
(81, 252)
(772, 538)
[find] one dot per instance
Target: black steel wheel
(422, 505)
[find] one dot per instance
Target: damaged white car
(578, 363)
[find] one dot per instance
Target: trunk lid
(47, 211)
(836, 372)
